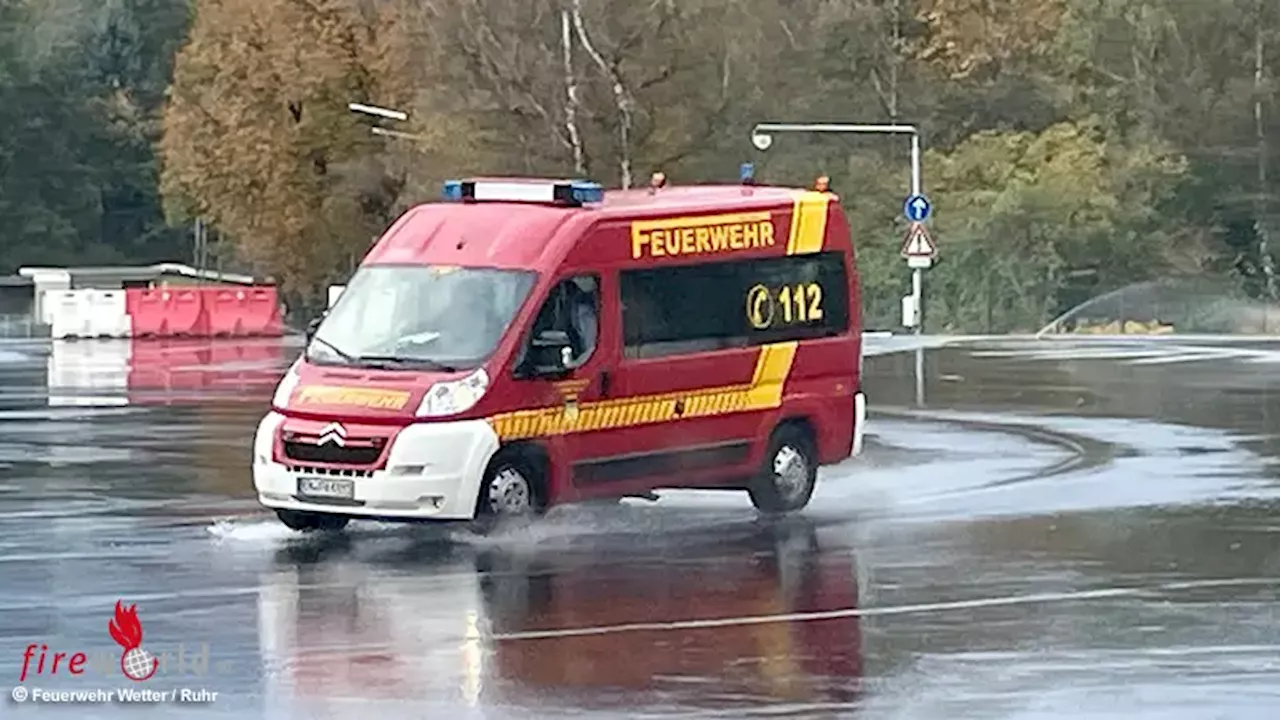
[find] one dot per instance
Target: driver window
(573, 306)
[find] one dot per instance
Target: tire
(787, 476)
(511, 492)
(303, 521)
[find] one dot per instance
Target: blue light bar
(586, 192)
(551, 192)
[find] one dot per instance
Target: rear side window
(694, 308)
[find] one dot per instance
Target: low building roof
(140, 272)
(15, 281)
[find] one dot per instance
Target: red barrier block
(227, 310)
(166, 312)
(263, 318)
(243, 312)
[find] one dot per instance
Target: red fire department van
(527, 343)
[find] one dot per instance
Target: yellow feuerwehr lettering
(720, 238)
(670, 237)
(735, 237)
(702, 240)
(358, 397)
(639, 239)
(673, 244)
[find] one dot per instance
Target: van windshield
(432, 317)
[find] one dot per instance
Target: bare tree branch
(621, 96)
(502, 74)
(571, 91)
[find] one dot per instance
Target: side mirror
(549, 353)
(311, 328)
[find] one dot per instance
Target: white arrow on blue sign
(917, 208)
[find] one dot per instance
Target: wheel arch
(823, 425)
(533, 455)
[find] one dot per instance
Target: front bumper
(433, 472)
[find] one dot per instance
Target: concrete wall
(184, 281)
(17, 299)
(47, 279)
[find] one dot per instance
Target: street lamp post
(762, 139)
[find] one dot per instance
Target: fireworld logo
(135, 662)
(125, 628)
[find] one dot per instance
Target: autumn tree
(981, 36)
(1030, 216)
(556, 87)
(258, 138)
(1074, 146)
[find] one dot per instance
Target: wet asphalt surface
(1039, 530)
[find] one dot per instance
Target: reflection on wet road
(1062, 530)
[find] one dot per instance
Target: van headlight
(287, 385)
(454, 396)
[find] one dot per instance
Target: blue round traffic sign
(917, 208)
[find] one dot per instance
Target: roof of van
(497, 234)
(694, 198)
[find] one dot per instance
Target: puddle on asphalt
(983, 559)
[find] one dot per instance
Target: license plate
(326, 487)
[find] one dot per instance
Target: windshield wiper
(399, 360)
(346, 357)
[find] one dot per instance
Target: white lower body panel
(433, 472)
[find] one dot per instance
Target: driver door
(572, 306)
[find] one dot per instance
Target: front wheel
(787, 477)
(303, 521)
(511, 490)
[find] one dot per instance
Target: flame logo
(125, 628)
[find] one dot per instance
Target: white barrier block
(334, 292)
(88, 313)
(106, 313)
(63, 309)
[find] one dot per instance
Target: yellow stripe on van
(764, 392)
(808, 222)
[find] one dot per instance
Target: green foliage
(1074, 146)
(80, 88)
(1023, 212)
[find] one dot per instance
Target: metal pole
(919, 376)
(917, 275)
(199, 253)
(915, 162)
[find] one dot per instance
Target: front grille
(355, 451)
(330, 472)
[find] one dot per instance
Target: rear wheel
(512, 490)
(304, 521)
(787, 477)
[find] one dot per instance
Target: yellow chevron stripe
(764, 392)
(808, 222)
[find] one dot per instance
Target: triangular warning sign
(917, 243)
